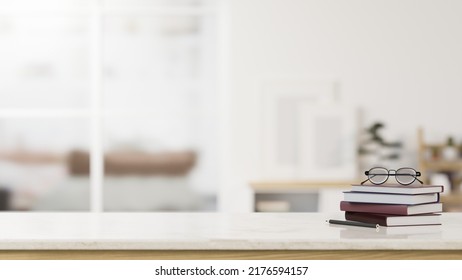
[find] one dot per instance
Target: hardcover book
(398, 189)
(393, 220)
(393, 209)
(386, 198)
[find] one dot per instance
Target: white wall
(398, 61)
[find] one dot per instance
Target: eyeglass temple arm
(364, 181)
(417, 175)
(418, 180)
(367, 174)
(368, 178)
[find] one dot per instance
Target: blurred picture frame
(307, 134)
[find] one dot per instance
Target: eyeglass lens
(405, 176)
(378, 175)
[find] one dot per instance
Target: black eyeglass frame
(417, 174)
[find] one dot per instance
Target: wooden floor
(234, 255)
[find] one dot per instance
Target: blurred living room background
(224, 105)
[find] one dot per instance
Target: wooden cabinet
(431, 162)
(297, 196)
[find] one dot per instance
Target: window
(108, 106)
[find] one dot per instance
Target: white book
(398, 189)
(391, 198)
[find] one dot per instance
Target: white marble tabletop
(215, 231)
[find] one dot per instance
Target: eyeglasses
(404, 176)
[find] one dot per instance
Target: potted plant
(450, 151)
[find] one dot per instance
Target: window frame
(95, 113)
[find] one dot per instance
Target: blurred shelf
(428, 166)
(452, 198)
(442, 165)
(452, 201)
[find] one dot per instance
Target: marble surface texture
(215, 231)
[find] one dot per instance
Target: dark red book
(393, 220)
(393, 209)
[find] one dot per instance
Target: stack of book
(393, 205)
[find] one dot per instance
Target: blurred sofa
(120, 163)
(133, 181)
